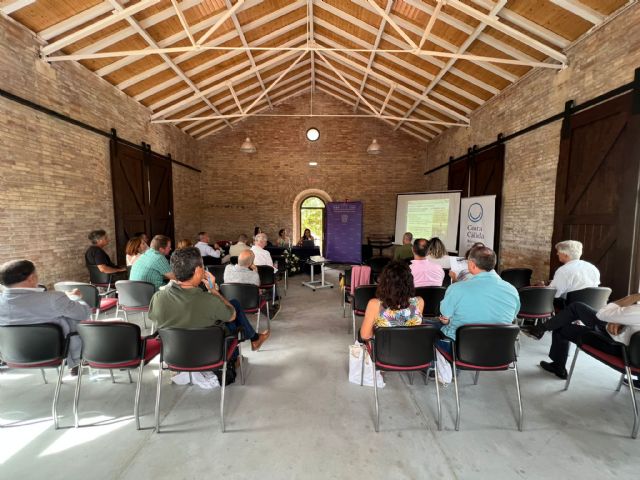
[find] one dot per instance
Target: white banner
(477, 221)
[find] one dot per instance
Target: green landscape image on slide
(428, 218)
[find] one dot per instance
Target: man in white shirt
(244, 272)
(620, 319)
(574, 274)
(205, 248)
(263, 257)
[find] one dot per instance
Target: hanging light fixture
(248, 146)
(374, 148)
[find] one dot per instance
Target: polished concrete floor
(298, 417)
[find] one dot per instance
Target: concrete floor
(298, 417)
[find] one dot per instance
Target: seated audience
(244, 272)
(22, 302)
(404, 251)
(395, 304)
(306, 237)
(484, 298)
(425, 273)
(437, 253)
(96, 256)
(283, 239)
(205, 249)
(620, 319)
(262, 256)
(152, 266)
(183, 304)
(574, 274)
(239, 246)
(135, 247)
(184, 243)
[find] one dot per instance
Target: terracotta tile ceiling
(419, 65)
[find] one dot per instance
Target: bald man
(244, 272)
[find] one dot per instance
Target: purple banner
(344, 232)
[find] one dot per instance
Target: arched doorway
(308, 212)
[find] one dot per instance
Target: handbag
(357, 352)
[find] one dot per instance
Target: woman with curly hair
(395, 304)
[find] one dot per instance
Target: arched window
(312, 217)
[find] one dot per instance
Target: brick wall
(240, 191)
(55, 181)
(598, 63)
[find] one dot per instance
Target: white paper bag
(205, 380)
(444, 369)
(356, 352)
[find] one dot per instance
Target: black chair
(446, 281)
(432, 297)
(377, 264)
(402, 349)
(208, 260)
(625, 360)
(195, 350)
(39, 346)
(233, 260)
(518, 277)
(99, 279)
(361, 297)
(114, 345)
(268, 280)
(536, 303)
(484, 348)
(248, 296)
(218, 272)
(595, 297)
(134, 296)
(90, 295)
(346, 290)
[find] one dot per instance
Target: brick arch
(297, 202)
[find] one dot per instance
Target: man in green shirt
(405, 251)
(152, 266)
(183, 304)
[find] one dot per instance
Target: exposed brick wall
(55, 181)
(242, 190)
(598, 63)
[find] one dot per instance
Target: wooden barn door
(597, 190)
(481, 174)
(142, 194)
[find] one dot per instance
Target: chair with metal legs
(361, 297)
(432, 297)
(38, 346)
(518, 277)
(402, 349)
(90, 295)
(134, 296)
(484, 347)
(626, 360)
(248, 295)
(595, 297)
(196, 350)
(536, 303)
(115, 345)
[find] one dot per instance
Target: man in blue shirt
(484, 298)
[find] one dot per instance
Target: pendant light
(374, 148)
(248, 146)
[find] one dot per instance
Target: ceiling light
(248, 146)
(313, 134)
(374, 148)
(313, 164)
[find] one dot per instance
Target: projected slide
(428, 215)
(428, 218)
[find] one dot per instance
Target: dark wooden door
(142, 194)
(160, 196)
(597, 190)
(481, 174)
(130, 194)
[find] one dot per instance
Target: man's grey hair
(246, 258)
(571, 248)
(483, 257)
(261, 237)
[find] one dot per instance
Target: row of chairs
(119, 345)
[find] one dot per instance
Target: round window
(313, 134)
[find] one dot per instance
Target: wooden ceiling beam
(223, 18)
(96, 26)
(9, 6)
(183, 21)
(372, 55)
(581, 10)
(74, 21)
(238, 28)
(463, 48)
